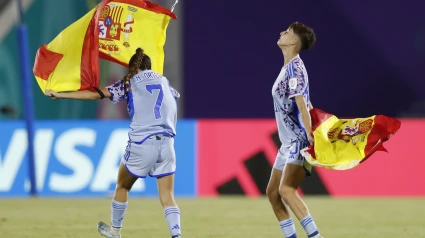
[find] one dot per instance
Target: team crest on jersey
(293, 83)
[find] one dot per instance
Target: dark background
(369, 56)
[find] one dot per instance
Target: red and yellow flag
(342, 144)
(113, 31)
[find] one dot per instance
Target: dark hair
(146, 62)
(305, 33)
(138, 61)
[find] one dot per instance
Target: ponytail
(135, 62)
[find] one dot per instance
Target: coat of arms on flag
(342, 144)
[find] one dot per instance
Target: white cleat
(107, 230)
(318, 236)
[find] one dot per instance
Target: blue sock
(288, 228)
(309, 226)
(117, 213)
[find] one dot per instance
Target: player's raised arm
(115, 92)
(80, 95)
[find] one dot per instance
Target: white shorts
(290, 154)
(154, 157)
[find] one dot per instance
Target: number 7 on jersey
(158, 104)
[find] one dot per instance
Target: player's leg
(119, 204)
(294, 173)
(120, 201)
(280, 209)
(171, 210)
(164, 172)
(136, 163)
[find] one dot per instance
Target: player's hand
(52, 94)
(310, 138)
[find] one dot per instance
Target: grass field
(228, 217)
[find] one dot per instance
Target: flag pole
(27, 95)
(174, 5)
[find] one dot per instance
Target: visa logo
(70, 161)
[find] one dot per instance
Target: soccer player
(152, 107)
(291, 102)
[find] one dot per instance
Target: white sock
(172, 214)
(309, 226)
(117, 213)
(288, 228)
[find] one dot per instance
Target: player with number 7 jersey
(151, 103)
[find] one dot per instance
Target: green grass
(227, 217)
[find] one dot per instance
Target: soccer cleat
(177, 236)
(318, 236)
(107, 230)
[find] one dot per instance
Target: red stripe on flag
(384, 127)
(45, 62)
(90, 76)
(150, 6)
(89, 71)
(318, 117)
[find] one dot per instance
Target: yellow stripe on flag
(124, 28)
(67, 73)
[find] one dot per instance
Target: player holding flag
(150, 150)
(291, 102)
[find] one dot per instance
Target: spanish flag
(342, 144)
(113, 31)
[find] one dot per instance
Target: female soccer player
(150, 150)
(291, 103)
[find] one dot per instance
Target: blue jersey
(291, 82)
(151, 103)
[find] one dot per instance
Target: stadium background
(369, 59)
